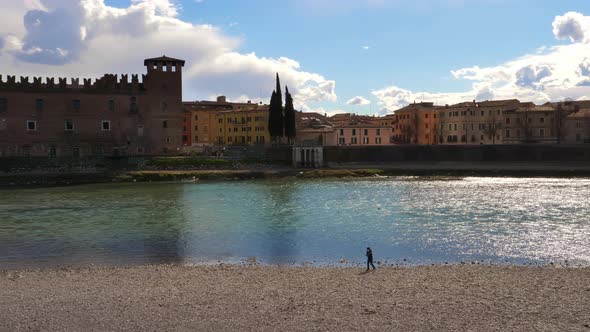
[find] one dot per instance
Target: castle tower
(163, 84)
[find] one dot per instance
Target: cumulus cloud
(551, 74)
(89, 38)
(572, 26)
(358, 101)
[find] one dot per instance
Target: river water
(415, 220)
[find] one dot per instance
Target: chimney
(221, 99)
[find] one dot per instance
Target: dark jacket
(370, 254)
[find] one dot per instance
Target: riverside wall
(458, 153)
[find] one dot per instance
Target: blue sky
(387, 52)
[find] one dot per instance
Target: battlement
(108, 83)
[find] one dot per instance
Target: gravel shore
(267, 298)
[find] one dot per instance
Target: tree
(275, 116)
(289, 116)
(492, 128)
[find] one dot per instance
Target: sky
(360, 56)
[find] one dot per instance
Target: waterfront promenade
(270, 298)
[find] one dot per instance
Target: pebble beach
(273, 298)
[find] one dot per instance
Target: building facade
(109, 117)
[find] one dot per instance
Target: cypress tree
(289, 115)
(275, 117)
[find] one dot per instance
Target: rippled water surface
(422, 220)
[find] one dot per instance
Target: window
(165, 124)
(76, 104)
(69, 125)
(133, 105)
(39, 104)
(196, 127)
(168, 140)
(482, 113)
(426, 116)
(3, 105)
(220, 121)
(3, 124)
(455, 126)
(498, 112)
(378, 132)
(197, 118)
(426, 126)
(164, 106)
(341, 141)
(31, 125)
(377, 140)
(542, 120)
(112, 105)
(354, 132)
(52, 152)
(76, 152)
(450, 126)
(507, 120)
(105, 125)
(353, 140)
(341, 132)
(366, 132)
(542, 132)
(507, 133)
(140, 130)
(365, 140)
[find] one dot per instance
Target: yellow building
(225, 123)
(246, 126)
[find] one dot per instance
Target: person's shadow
(367, 272)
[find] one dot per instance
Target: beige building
(578, 127)
(474, 122)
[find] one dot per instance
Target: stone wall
(475, 153)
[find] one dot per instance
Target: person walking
(370, 258)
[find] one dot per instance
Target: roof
(496, 103)
(163, 58)
(585, 113)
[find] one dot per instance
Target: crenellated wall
(108, 83)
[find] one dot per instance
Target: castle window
(112, 105)
(39, 104)
(196, 128)
(164, 106)
(69, 125)
(76, 104)
(3, 105)
(197, 118)
(354, 133)
(105, 125)
(165, 124)
(31, 125)
(133, 105)
(366, 132)
(76, 152)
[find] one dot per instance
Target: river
(406, 220)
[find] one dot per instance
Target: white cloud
(572, 26)
(550, 74)
(87, 38)
(358, 101)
